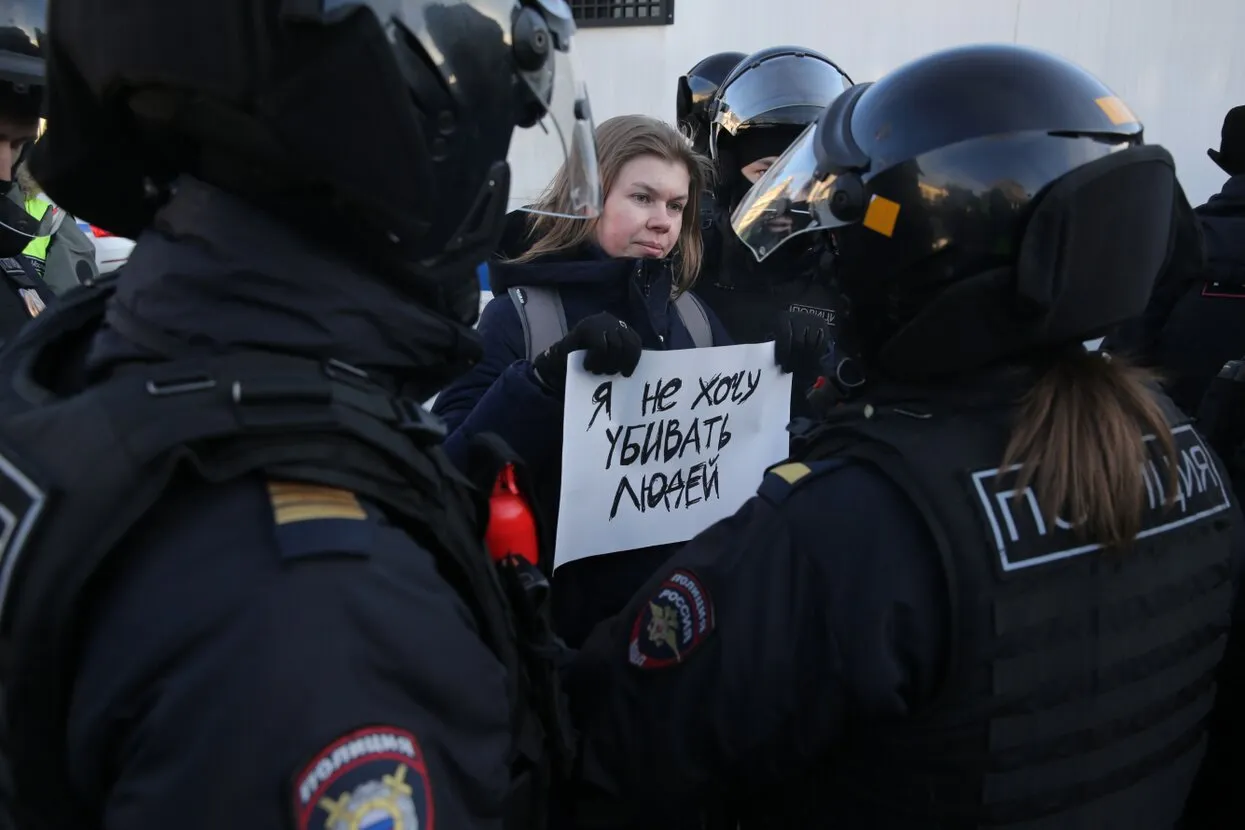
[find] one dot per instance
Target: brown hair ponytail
(1080, 438)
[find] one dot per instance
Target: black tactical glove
(613, 349)
(800, 342)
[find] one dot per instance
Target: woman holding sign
(997, 589)
(611, 286)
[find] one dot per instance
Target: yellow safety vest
(38, 247)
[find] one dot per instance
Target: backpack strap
(541, 313)
(695, 319)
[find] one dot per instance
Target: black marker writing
(664, 441)
(685, 488)
(659, 395)
(736, 387)
(604, 399)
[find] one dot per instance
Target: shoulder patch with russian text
(1024, 539)
(673, 623)
(375, 778)
(826, 314)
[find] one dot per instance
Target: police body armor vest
(748, 296)
(1079, 679)
(78, 472)
(50, 218)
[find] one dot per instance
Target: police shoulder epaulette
(781, 480)
(312, 519)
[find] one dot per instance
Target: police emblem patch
(673, 623)
(371, 779)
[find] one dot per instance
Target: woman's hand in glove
(613, 348)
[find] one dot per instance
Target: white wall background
(1180, 65)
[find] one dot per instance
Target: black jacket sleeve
(738, 665)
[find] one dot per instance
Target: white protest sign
(658, 457)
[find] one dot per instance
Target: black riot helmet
(989, 201)
(380, 127)
(695, 92)
(779, 87)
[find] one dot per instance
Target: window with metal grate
(590, 13)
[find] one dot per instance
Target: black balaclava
(734, 153)
(738, 151)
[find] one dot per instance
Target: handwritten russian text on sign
(658, 457)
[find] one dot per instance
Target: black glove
(800, 342)
(613, 349)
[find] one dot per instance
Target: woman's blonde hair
(620, 140)
(1080, 436)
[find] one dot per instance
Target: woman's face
(643, 212)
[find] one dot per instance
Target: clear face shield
(789, 200)
(565, 132)
(785, 90)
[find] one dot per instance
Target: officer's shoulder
(783, 480)
(313, 520)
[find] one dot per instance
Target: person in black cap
(1192, 324)
(769, 98)
(241, 583)
(994, 589)
(42, 251)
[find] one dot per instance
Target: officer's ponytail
(1080, 434)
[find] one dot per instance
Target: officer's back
(242, 586)
(995, 589)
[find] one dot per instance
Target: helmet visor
(564, 132)
(22, 70)
(790, 90)
(789, 200)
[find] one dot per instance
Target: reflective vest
(38, 247)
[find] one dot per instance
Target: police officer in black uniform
(761, 108)
(240, 584)
(995, 588)
(694, 95)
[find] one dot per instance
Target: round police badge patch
(371, 779)
(673, 623)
